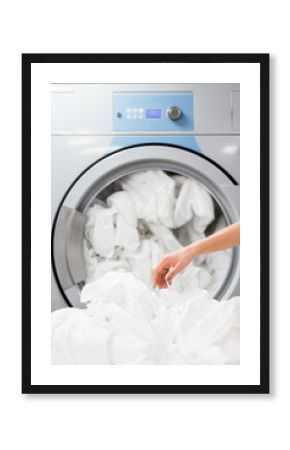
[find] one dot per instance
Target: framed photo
(145, 223)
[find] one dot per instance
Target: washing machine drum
(69, 222)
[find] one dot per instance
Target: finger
(173, 272)
(157, 278)
(161, 281)
(159, 272)
(163, 284)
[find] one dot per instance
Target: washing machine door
(70, 219)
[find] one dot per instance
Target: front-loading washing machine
(102, 132)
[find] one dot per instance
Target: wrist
(191, 250)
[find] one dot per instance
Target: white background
(167, 422)
(248, 371)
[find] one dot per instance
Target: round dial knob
(174, 112)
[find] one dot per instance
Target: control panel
(153, 111)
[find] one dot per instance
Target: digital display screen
(153, 113)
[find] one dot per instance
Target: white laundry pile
(127, 323)
(148, 215)
(130, 226)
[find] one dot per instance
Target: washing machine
(102, 132)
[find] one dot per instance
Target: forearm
(228, 237)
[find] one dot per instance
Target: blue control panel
(153, 111)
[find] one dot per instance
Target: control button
(141, 110)
(174, 113)
(134, 116)
(128, 110)
(128, 116)
(135, 110)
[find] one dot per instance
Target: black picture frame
(263, 61)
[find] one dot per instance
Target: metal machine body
(101, 132)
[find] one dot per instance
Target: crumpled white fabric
(99, 230)
(193, 201)
(123, 203)
(127, 323)
(152, 192)
(126, 234)
(131, 230)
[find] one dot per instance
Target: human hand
(169, 266)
